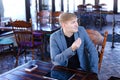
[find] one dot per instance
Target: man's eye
(73, 22)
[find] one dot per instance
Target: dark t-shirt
(73, 62)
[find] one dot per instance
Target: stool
(6, 43)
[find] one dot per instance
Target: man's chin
(76, 30)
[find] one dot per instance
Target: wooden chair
(81, 7)
(43, 17)
(25, 38)
(55, 17)
(100, 42)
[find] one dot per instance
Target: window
(71, 5)
(33, 10)
(109, 5)
(66, 5)
(57, 5)
(14, 9)
(118, 6)
(50, 5)
(90, 2)
(77, 2)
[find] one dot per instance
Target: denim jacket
(60, 53)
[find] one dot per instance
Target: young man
(68, 46)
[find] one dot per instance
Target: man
(68, 46)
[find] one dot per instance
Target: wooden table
(44, 68)
(6, 42)
(5, 28)
(44, 30)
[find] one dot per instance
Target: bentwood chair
(54, 24)
(81, 7)
(55, 17)
(24, 36)
(43, 18)
(100, 42)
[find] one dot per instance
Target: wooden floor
(110, 65)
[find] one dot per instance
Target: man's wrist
(72, 49)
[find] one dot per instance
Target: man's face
(71, 25)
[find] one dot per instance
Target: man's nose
(76, 23)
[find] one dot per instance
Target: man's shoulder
(81, 28)
(56, 32)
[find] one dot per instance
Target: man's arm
(93, 54)
(59, 55)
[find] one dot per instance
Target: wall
(109, 18)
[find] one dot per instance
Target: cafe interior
(26, 26)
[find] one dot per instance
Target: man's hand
(76, 44)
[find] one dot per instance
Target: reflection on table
(93, 14)
(43, 69)
(48, 28)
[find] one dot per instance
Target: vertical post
(36, 8)
(53, 5)
(27, 7)
(40, 5)
(113, 31)
(100, 17)
(0, 19)
(83, 2)
(67, 5)
(74, 5)
(115, 6)
(62, 5)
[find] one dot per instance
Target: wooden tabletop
(5, 28)
(42, 72)
(44, 28)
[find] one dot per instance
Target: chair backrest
(43, 17)
(55, 17)
(81, 7)
(100, 42)
(97, 7)
(22, 32)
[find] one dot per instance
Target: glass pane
(78, 2)
(118, 6)
(14, 9)
(57, 5)
(90, 2)
(108, 6)
(71, 5)
(45, 4)
(33, 10)
(1, 9)
(65, 5)
(50, 5)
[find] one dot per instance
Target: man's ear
(63, 24)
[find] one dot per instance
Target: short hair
(66, 17)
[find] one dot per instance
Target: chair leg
(33, 54)
(25, 55)
(42, 52)
(17, 57)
